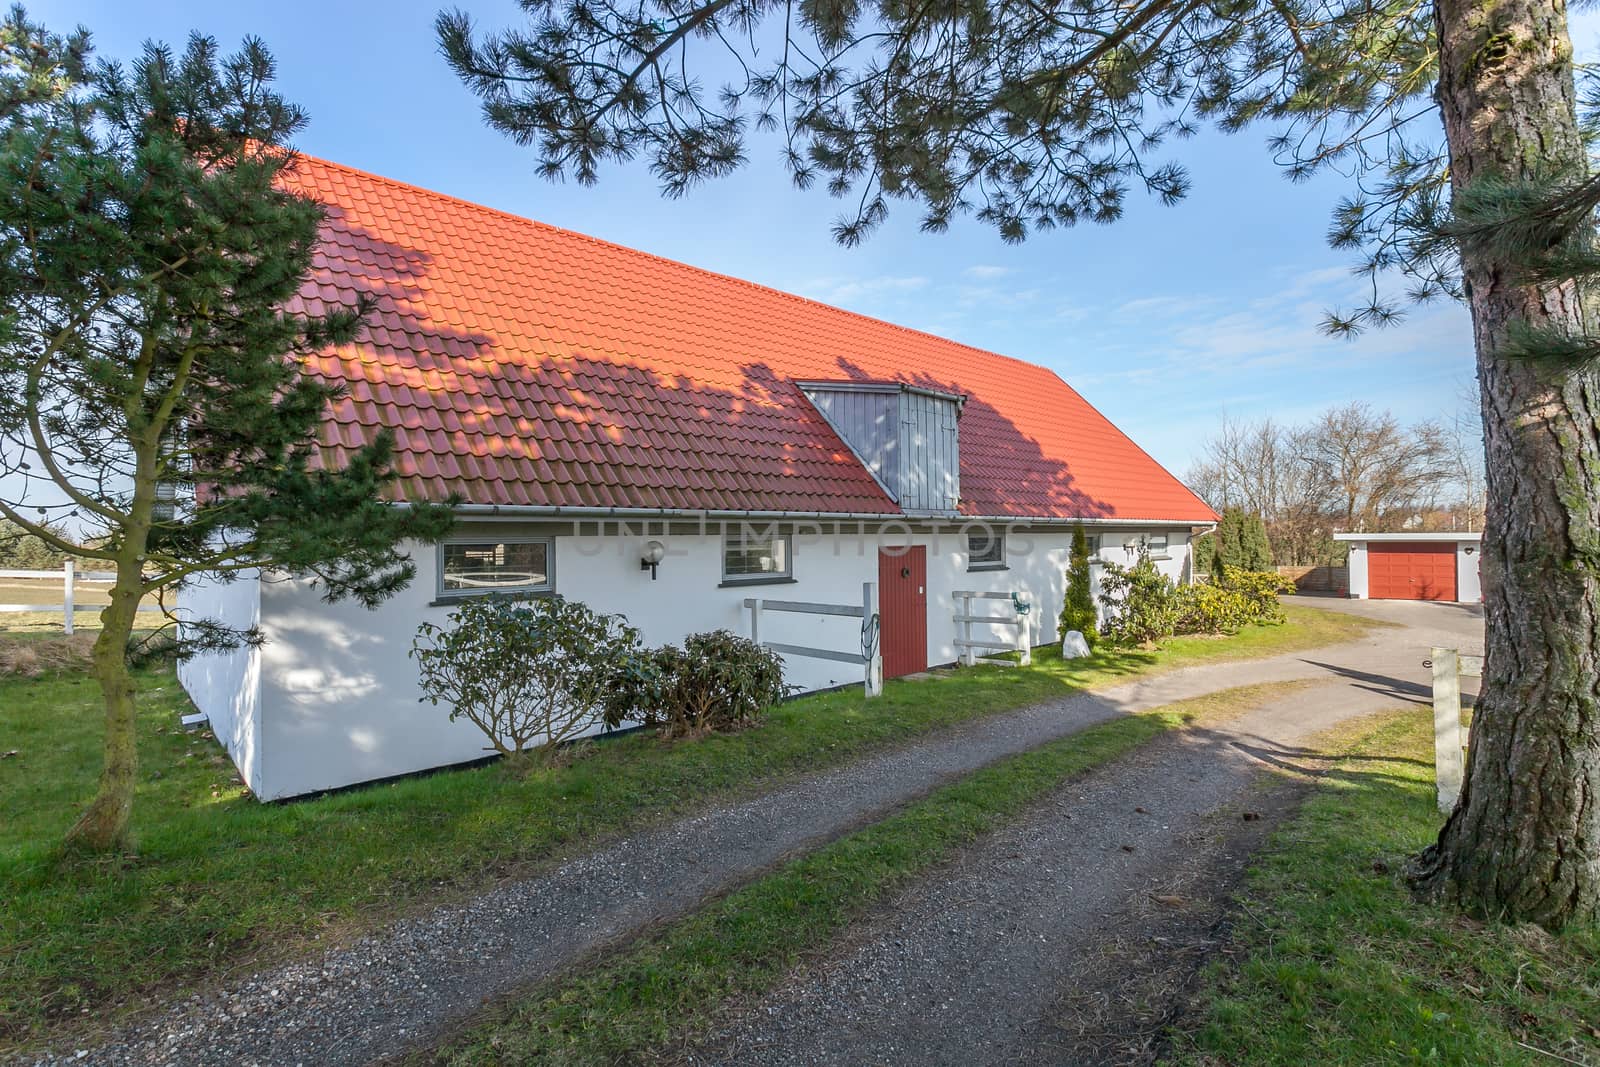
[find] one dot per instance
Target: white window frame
(1158, 551)
(758, 577)
(997, 544)
(547, 586)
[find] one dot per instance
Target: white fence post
(1448, 757)
(67, 575)
(871, 624)
(755, 620)
(1025, 641)
(969, 655)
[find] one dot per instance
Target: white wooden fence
(1018, 621)
(1449, 740)
(869, 656)
(69, 577)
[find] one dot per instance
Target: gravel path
(974, 963)
(383, 992)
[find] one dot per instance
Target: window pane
(986, 548)
(496, 566)
(749, 555)
(1158, 542)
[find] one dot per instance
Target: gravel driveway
(383, 992)
(974, 963)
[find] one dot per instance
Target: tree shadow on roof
(1003, 470)
(610, 429)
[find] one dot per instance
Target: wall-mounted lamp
(654, 552)
(1469, 550)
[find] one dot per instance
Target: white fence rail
(70, 578)
(967, 646)
(1449, 740)
(869, 655)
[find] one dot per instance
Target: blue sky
(1164, 320)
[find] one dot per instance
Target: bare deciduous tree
(1379, 473)
(1351, 468)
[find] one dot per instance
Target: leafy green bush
(1206, 608)
(1078, 612)
(1260, 590)
(1141, 603)
(528, 673)
(1229, 602)
(715, 682)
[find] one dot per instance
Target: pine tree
(26, 551)
(1078, 610)
(1032, 117)
(1239, 543)
(150, 350)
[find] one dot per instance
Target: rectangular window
(986, 551)
(469, 568)
(1156, 544)
(752, 556)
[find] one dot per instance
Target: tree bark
(103, 826)
(1523, 843)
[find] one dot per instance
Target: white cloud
(986, 271)
(848, 290)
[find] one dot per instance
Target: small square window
(1156, 544)
(753, 556)
(471, 568)
(986, 551)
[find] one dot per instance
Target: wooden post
(969, 655)
(1024, 641)
(870, 621)
(1448, 757)
(755, 620)
(67, 591)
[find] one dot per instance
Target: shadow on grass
(1341, 965)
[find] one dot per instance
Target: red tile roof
(521, 364)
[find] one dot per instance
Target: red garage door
(1411, 570)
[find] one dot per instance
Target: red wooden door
(1411, 570)
(903, 610)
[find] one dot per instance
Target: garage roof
(524, 365)
(1408, 536)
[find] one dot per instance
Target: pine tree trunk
(103, 826)
(1524, 841)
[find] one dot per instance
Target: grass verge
(221, 882)
(672, 985)
(1344, 967)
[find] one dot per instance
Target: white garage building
(1414, 566)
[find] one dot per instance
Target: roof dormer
(906, 436)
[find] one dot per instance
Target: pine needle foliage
(1078, 611)
(150, 337)
(153, 349)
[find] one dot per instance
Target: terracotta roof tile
(521, 363)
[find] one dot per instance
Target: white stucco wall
(1469, 584)
(226, 686)
(1357, 563)
(339, 701)
(1122, 548)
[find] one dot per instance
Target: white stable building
(659, 441)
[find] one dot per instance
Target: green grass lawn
(221, 882)
(1340, 966)
(668, 989)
